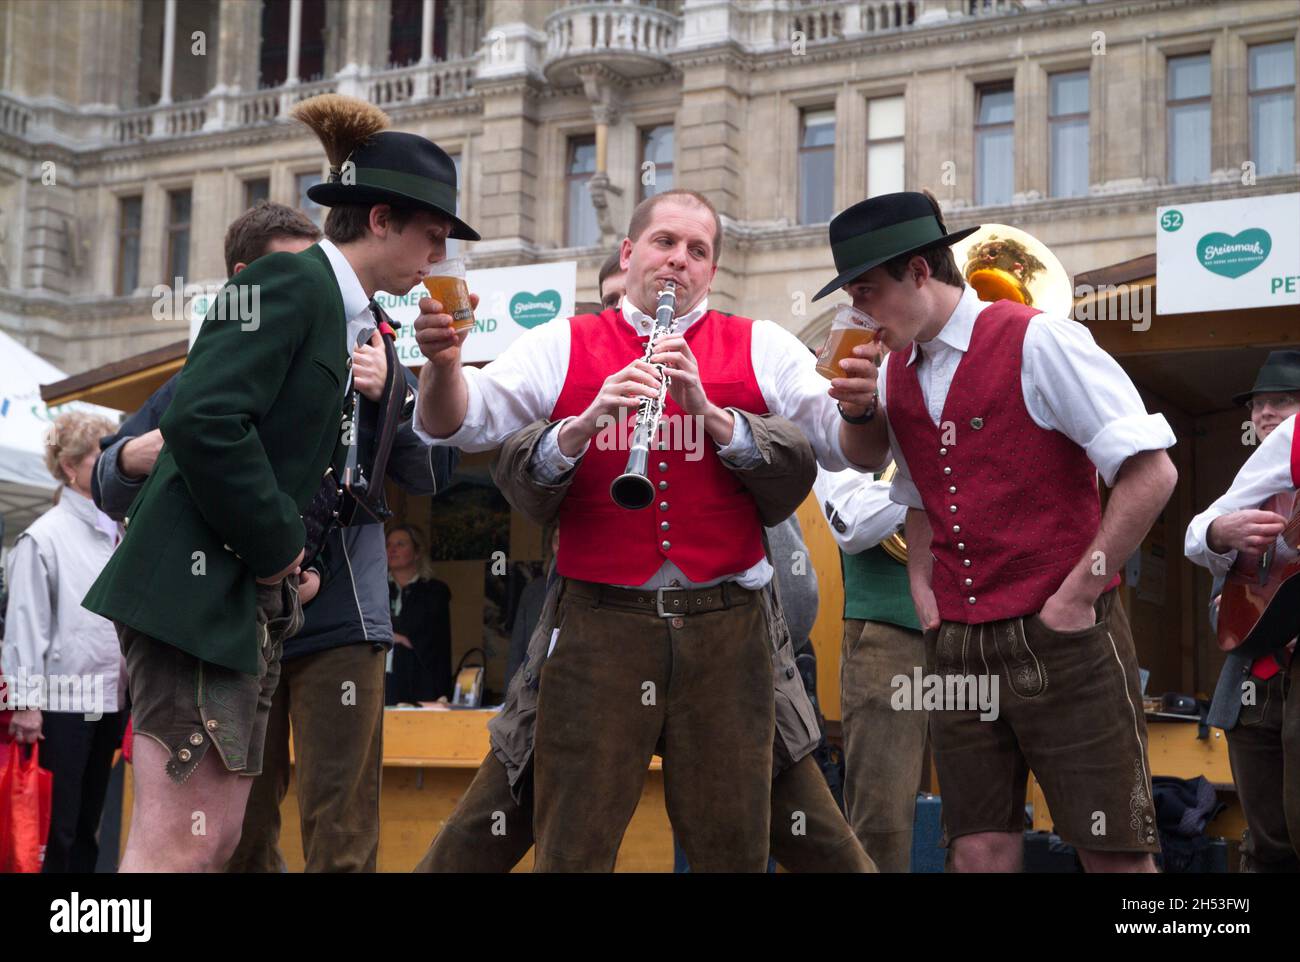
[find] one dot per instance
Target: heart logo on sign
(1233, 256)
(532, 310)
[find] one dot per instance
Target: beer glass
(446, 285)
(849, 328)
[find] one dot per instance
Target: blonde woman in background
(65, 669)
(420, 665)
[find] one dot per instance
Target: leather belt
(665, 602)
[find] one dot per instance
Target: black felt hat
(392, 166)
(1281, 372)
(880, 229)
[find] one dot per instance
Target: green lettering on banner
(533, 310)
(1233, 256)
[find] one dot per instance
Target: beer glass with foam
(849, 328)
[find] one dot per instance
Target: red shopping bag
(25, 790)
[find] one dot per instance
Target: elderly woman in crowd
(67, 688)
(420, 667)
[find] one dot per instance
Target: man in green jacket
(205, 585)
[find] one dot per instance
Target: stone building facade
(133, 131)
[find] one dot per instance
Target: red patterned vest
(703, 519)
(1012, 506)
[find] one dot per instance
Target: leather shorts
(186, 704)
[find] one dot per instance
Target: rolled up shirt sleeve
(741, 451)
(1071, 385)
(1266, 472)
(865, 513)
(516, 389)
(792, 388)
(549, 464)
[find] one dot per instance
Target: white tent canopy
(26, 485)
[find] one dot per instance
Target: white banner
(1228, 254)
(511, 301)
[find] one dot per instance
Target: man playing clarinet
(660, 634)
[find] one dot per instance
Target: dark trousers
(1264, 749)
(884, 749)
(489, 832)
(79, 754)
(621, 678)
(335, 701)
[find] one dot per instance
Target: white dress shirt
(356, 305)
(863, 506)
(524, 382)
(47, 632)
(1266, 472)
(1069, 385)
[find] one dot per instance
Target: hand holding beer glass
(849, 328)
(446, 285)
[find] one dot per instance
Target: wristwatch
(861, 418)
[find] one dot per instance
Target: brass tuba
(1006, 263)
(1003, 263)
(895, 545)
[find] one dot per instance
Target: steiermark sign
(1228, 254)
(512, 301)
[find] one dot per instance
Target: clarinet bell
(632, 491)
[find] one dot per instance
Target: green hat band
(882, 244)
(413, 185)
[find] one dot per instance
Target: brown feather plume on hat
(341, 123)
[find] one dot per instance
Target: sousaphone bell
(1005, 263)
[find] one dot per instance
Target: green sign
(1171, 220)
(532, 310)
(1233, 256)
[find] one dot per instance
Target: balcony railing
(419, 83)
(14, 117)
(439, 81)
(632, 39)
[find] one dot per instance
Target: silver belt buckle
(659, 602)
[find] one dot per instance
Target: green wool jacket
(253, 425)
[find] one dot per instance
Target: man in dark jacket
(346, 629)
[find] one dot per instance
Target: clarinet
(633, 488)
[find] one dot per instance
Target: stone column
(169, 51)
(426, 33)
(295, 41)
(506, 164)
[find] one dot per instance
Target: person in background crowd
(612, 281)
(420, 660)
(51, 638)
(1255, 701)
(884, 748)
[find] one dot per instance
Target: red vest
(1012, 506)
(703, 519)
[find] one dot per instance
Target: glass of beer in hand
(446, 284)
(849, 328)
